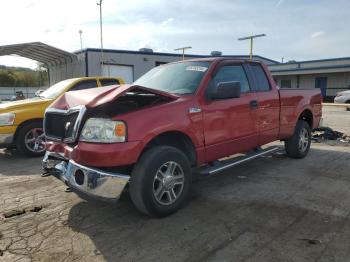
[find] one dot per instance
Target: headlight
(7, 119)
(103, 130)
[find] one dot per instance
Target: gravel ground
(270, 209)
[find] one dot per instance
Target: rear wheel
(160, 181)
(30, 140)
(298, 145)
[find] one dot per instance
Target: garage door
(126, 72)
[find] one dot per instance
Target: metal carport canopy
(40, 52)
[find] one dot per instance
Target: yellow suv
(21, 122)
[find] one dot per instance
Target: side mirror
(226, 90)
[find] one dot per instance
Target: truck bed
(294, 101)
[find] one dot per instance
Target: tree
(23, 77)
(7, 79)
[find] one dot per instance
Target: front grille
(63, 125)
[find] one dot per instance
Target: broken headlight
(102, 130)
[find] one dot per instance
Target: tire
(298, 145)
(146, 188)
(28, 132)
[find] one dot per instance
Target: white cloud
(280, 2)
(168, 21)
(165, 25)
(317, 34)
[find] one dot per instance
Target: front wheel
(298, 145)
(30, 140)
(160, 181)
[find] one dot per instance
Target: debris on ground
(19, 212)
(323, 134)
(35, 209)
(1, 253)
(14, 213)
(311, 241)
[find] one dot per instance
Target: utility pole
(81, 39)
(251, 42)
(100, 5)
(183, 50)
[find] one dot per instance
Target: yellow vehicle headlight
(7, 119)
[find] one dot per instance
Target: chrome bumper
(88, 181)
(6, 139)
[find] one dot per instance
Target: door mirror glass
(226, 90)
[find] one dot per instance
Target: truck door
(268, 104)
(230, 124)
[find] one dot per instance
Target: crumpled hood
(97, 96)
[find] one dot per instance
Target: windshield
(178, 78)
(57, 89)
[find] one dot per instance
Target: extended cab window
(230, 74)
(261, 81)
(84, 85)
(109, 82)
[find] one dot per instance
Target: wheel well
(178, 140)
(307, 116)
(25, 123)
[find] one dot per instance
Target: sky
(295, 29)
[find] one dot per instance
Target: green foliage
(21, 77)
(7, 79)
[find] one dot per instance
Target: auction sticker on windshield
(197, 68)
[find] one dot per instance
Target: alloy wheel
(34, 140)
(168, 183)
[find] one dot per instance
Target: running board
(225, 164)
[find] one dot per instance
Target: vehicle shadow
(262, 199)
(14, 164)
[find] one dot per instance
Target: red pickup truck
(177, 119)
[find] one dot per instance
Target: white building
(330, 75)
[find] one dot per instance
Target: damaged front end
(85, 181)
(75, 146)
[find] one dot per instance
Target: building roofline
(165, 54)
(316, 60)
(309, 68)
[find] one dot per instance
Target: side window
(84, 85)
(262, 84)
(286, 83)
(230, 74)
(109, 82)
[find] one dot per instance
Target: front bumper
(85, 181)
(6, 139)
(7, 134)
(97, 154)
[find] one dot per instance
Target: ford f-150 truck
(177, 119)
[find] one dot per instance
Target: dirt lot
(271, 209)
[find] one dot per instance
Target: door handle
(254, 104)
